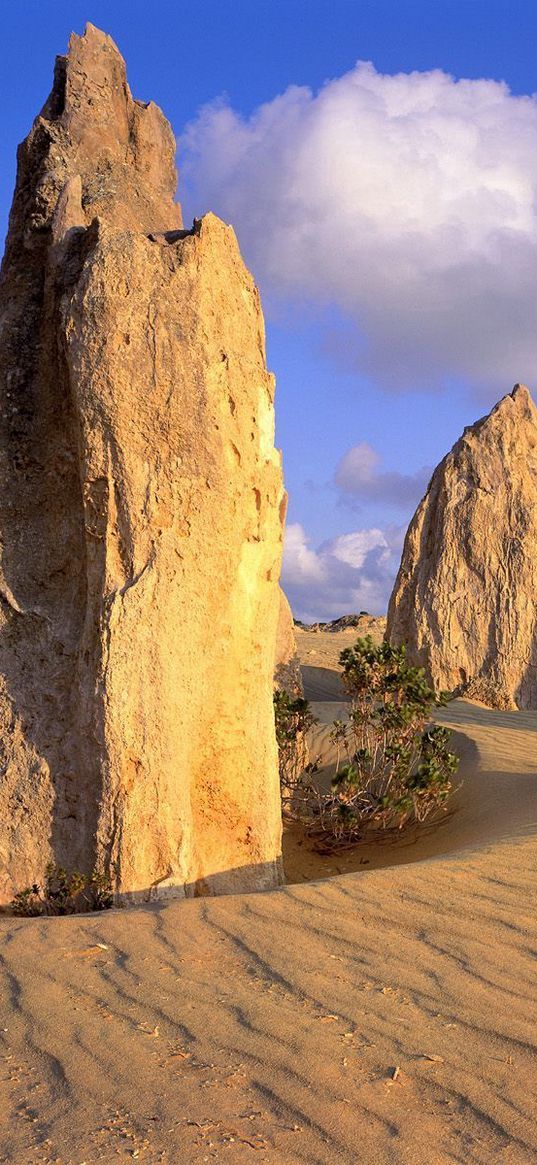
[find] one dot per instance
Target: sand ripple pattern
(269, 1027)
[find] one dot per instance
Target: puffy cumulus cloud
(360, 480)
(407, 201)
(350, 573)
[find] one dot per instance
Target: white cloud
(302, 565)
(354, 549)
(350, 573)
(359, 478)
(407, 201)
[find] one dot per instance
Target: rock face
(464, 600)
(141, 514)
(287, 674)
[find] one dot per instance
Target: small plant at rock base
(64, 892)
(28, 903)
(397, 766)
(101, 892)
(293, 719)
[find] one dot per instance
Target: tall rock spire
(141, 510)
(464, 601)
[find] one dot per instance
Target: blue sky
(386, 209)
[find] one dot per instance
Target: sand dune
(269, 1027)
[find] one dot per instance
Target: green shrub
(63, 892)
(294, 718)
(393, 765)
(397, 766)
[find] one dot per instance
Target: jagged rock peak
(464, 600)
(119, 151)
(517, 403)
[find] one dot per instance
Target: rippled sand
(385, 1016)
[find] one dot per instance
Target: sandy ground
(472, 818)
(387, 1016)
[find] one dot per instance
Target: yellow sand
(270, 1027)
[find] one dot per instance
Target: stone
(287, 673)
(141, 515)
(464, 598)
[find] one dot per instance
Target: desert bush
(293, 717)
(64, 892)
(394, 766)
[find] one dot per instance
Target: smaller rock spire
(464, 601)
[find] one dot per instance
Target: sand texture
(270, 1027)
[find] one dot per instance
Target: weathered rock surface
(287, 674)
(464, 600)
(140, 514)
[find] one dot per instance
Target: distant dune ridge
(464, 600)
(360, 625)
(141, 514)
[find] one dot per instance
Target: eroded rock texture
(287, 673)
(140, 514)
(464, 600)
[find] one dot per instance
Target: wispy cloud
(360, 480)
(407, 201)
